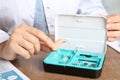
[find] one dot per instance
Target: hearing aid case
(83, 52)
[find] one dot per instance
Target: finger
(111, 15)
(58, 43)
(111, 39)
(113, 34)
(115, 26)
(32, 39)
(113, 18)
(26, 45)
(41, 35)
(45, 48)
(21, 51)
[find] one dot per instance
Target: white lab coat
(16, 12)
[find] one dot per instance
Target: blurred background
(112, 6)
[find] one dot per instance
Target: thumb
(58, 43)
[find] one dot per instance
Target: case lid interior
(81, 32)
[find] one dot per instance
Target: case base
(70, 62)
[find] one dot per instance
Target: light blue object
(85, 54)
(10, 75)
(86, 36)
(95, 62)
(40, 19)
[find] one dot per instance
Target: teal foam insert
(76, 59)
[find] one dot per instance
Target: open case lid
(81, 32)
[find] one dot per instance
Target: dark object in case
(83, 53)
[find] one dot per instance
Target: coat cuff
(3, 36)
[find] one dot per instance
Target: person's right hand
(113, 27)
(26, 41)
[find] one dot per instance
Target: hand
(113, 27)
(26, 41)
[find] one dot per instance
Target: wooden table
(33, 68)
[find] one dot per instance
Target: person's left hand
(113, 27)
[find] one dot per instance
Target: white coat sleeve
(3, 36)
(92, 7)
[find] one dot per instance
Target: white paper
(115, 45)
(9, 72)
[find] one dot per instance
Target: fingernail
(108, 34)
(109, 20)
(51, 45)
(108, 26)
(27, 56)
